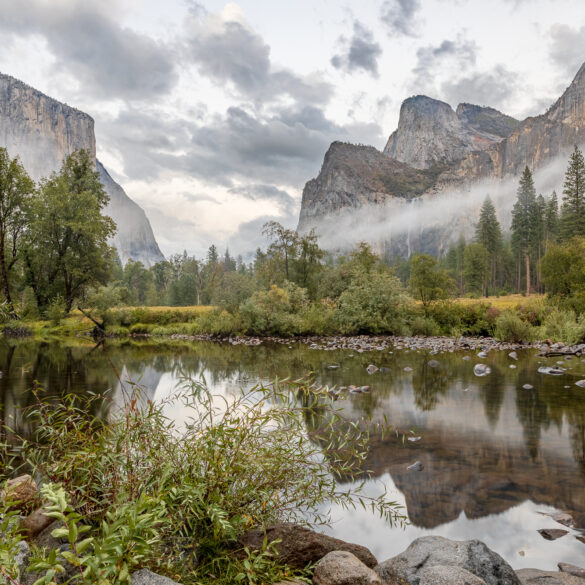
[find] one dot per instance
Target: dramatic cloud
(360, 52)
(107, 60)
(490, 88)
(567, 47)
(255, 192)
(399, 16)
(231, 52)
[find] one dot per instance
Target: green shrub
(55, 311)
(510, 327)
(140, 329)
(425, 326)
(241, 462)
(563, 325)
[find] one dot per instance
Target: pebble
(482, 355)
(551, 370)
(481, 370)
(513, 355)
(408, 369)
(416, 466)
(434, 364)
(414, 439)
(528, 387)
(580, 383)
(372, 369)
(512, 366)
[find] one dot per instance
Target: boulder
(537, 577)
(442, 575)
(342, 568)
(435, 551)
(146, 577)
(572, 570)
(22, 491)
(36, 522)
(300, 546)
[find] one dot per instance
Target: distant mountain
(42, 132)
(436, 149)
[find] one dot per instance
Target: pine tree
(523, 228)
(573, 208)
(489, 233)
(551, 219)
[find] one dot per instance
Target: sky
(214, 115)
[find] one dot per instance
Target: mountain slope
(42, 132)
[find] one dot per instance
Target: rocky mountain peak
(430, 133)
(570, 107)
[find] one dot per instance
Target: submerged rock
(482, 355)
(434, 364)
(551, 370)
(552, 533)
(416, 466)
(528, 387)
(372, 369)
(513, 355)
(481, 370)
(580, 383)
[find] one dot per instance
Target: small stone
(552, 533)
(365, 389)
(342, 568)
(564, 519)
(572, 570)
(384, 370)
(465, 357)
(482, 355)
(36, 522)
(333, 367)
(408, 369)
(513, 355)
(481, 370)
(372, 369)
(416, 466)
(414, 439)
(580, 383)
(512, 366)
(528, 387)
(146, 577)
(22, 491)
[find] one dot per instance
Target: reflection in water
(493, 452)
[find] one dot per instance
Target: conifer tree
(524, 228)
(573, 208)
(489, 233)
(551, 219)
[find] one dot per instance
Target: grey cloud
(567, 47)
(237, 54)
(258, 192)
(493, 88)
(108, 60)
(361, 52)
(399, 16)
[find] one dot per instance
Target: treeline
(53, 236)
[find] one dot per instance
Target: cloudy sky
(213, 115)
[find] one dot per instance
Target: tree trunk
(527, 257)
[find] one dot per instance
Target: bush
(510, 327)
(425, 326)
(563, 325)
(239, 463)
(55, 311)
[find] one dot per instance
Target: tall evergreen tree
(551, 219)
(573, 208)
(489, 233)
(523, 228)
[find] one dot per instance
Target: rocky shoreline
(429, 560)
(362, 343)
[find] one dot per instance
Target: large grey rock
(36, 522)
(300, 546)
(434, 551)
(537, 577)
(342, 568)
(21, 558)
(146, 577)
(441, 575)
(572, 570)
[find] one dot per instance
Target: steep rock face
(354, 176)
(430, 133)
(42, 132)
(136, 240)
(536, 141)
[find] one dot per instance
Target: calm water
(496, 457)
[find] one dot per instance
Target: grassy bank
(278, 312)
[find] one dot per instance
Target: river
(499, 453)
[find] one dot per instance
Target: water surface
(496, 457)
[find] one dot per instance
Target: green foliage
(573, 207)
(56, 310)
(428, 282)
(510, 327)
(475, 262)
(143, 491)
(563, 325)
(563, 268)
(424, 326)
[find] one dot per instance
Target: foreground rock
(146, 577)
(36, 522)
(434, 559)
(537, 577)
(300, 546)
(572, 570)
(21, 491)
(342, 568)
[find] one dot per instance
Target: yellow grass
(505, 301)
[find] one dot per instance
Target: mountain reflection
(487, 444)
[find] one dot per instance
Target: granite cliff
(42, 132)
(436, 149)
